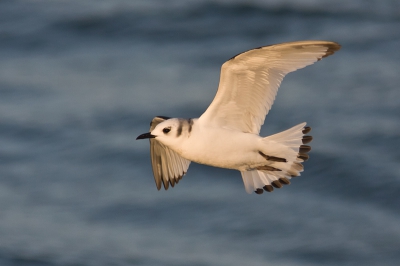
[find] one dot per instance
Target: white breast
(221, 147)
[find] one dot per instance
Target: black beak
(146, 136)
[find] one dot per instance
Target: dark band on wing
(332, 48)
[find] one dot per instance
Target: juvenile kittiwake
(226, 135)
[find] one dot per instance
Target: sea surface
(80, 80)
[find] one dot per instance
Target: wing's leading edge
(249, 82)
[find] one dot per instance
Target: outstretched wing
(168, 166)
(249, 82)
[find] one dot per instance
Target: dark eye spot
(166, 130)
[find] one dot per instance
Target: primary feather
(249, 82)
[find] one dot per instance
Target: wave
(193, 20)
(198, 20)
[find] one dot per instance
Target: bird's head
(167, 132)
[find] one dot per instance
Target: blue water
(79, 80)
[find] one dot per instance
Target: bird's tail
(283, 165)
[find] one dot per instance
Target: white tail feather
(288, 143)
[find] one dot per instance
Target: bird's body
(217, 147)
(227, 134)
(224, 148)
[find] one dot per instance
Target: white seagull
(226, 135)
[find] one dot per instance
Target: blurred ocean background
(80, 80)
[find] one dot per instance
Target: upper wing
(168, 166)
(249, 82)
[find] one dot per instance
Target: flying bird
(226, 135)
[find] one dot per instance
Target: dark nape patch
(304, 149)
(276, 184)
(190, 121)
(303, 156)
(272, 158)
(307, 139)
(259, 191)
(268, 168)
(284, 181)
(179, 130)
(268, 188)
(306, 130)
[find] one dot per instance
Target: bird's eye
(166, 130)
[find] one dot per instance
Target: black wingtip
(332, 48)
